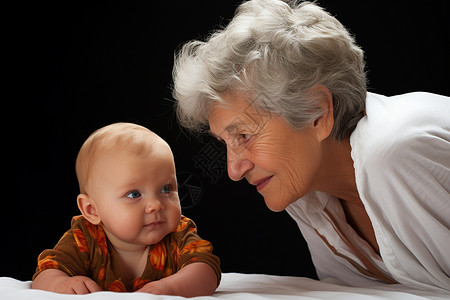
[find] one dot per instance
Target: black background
(74, 67)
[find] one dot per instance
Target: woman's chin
(277, 204)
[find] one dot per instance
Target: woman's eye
(166, 189)
(133, 195)
(243, 137)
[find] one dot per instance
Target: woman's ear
(324, 124)
(88, 209)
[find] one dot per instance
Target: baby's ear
(88, 209)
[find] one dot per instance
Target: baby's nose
(154, 205)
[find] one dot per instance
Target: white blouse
(401, 154)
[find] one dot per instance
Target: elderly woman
(366, 177)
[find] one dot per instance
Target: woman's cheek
(294, 182)
(269, 148)
(299, 169)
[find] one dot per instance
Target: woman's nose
(237, 165)
(154, 205)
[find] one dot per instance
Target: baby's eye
(166, 189)
(133, 195)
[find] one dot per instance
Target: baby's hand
(196, 279)
(160, 287)
(76, 285)
(54, 280)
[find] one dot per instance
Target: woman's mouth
(260, 184)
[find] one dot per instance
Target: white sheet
(240, 286)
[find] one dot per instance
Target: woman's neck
(336, 175)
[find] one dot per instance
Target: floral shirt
(85, 250)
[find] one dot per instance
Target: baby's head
(128, 184)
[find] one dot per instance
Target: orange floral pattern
(80, 240)
(139, 283)
(117, 286)
(175, 252)
(97, 232)
(47, 263)
(101, 273)
(201, 246)
(158, 256)
(83, 250)
(182, 225)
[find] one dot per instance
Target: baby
(131, 235)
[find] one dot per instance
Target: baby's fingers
(85, 285)
(92, 286)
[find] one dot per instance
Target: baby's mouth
(154, 224)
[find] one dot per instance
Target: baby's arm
(195, 279)
(57, 281)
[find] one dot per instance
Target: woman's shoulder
(402, 113)
(406, 111)
(398, 125)
(401, 148)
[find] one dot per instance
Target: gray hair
(274, 52)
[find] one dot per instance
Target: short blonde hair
(129, 136)
(274, 52)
